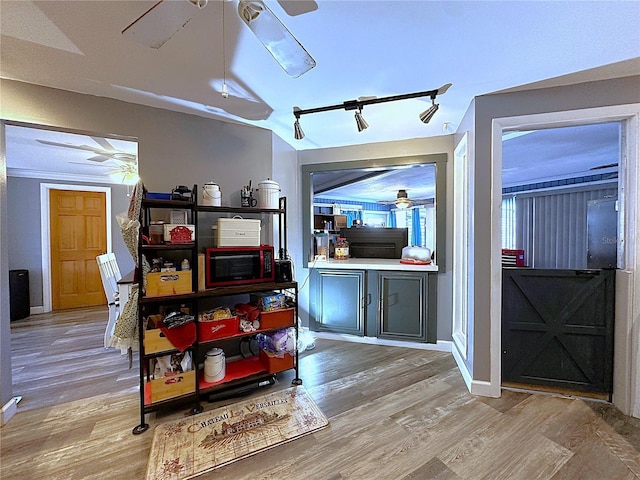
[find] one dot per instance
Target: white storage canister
(211, 194)
(268, 194)
(214, 365)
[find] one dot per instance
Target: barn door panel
(557, 328)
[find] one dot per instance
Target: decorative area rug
(189, 447)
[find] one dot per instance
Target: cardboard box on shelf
(155, 341)
(172, 385)
(275, 364)
(277, 318)
(268, 301)
(168, 283)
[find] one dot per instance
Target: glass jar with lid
(341, 251)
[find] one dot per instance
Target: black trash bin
(19, 294)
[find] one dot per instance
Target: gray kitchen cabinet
(337, 302)
(401, 310)
(388, 304)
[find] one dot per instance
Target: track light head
(298, 134)
(428, 114)
(360, 121)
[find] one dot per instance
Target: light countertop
(372, 264)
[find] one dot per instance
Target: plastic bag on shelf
(278, 343)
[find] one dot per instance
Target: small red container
(275, 364)
(513, 258)
(277, 318)
(218, 329)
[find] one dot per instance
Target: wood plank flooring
(395, 413)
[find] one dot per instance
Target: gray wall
(5, 331)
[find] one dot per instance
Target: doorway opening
(625, 381)
(41, 159)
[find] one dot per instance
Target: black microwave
(225, 266)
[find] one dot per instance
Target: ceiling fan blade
(284, 47)
(444, 88)
(99, 158)
(158, 24)
(104, 143)
(298, 7)
(86, 148)
(112, 154)
(88, 164)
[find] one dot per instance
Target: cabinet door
(402, 305)
(338, 301)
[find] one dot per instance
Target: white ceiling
(52, 154)
(362, 48)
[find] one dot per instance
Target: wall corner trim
(464, 371)
(9, 410)
(484, 389)
(476, 387)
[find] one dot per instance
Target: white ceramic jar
(214, 365)
(211, 194)
(268, 194)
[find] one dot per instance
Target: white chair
(110, 274)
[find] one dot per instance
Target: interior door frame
(626, 388)
(45, 207)
(462, 245)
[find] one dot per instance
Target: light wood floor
(395, 413)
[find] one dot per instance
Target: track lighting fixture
(360, 121)
(429, 112)
(298, 134)
(358, 104)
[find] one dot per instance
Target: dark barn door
(557, 328)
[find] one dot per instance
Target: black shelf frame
(192, 298)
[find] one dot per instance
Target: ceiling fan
(104, 152)
(403, 201)
(158, 24)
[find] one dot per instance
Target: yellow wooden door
(78, 235)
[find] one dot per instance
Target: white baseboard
(483, 389)
(36, 310)
(475, 387)
(9, 410)
(440, 346)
